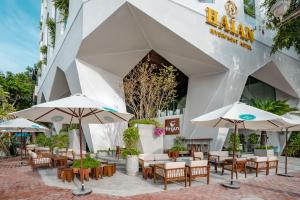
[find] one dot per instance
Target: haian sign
(229, 30)
(172, 126)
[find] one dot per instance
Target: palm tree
(278, 107)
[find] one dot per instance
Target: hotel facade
(221, 47)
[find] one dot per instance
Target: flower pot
(132, 165)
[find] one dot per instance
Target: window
(255, 88)
(249, 8)
(207, 1)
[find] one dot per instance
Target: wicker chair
(198, 168)
(37, 161)
(171, 171)
(259, 164)
(198, 155)
(240, 166)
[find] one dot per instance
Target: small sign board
(172, 126)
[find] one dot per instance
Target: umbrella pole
(286, 156)
(81, 168)
(233, 152)
(22, 144)
(82, 191)
(233, 184)
(287, 146)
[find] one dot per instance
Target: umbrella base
(82, 192)
(285, 175)
(232, 184)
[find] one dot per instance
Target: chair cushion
(33, 155)
(146, 157)
(174, 165)
(260, 159)
(199, 155)
(272, 158)
(161, 157)
(197, 163)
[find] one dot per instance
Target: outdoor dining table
(59, 160)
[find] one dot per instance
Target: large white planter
(149, 143)
(264, 152)
(132, 165)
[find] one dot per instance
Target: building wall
(103, 40)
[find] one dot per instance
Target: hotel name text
(229, 30)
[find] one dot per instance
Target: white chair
(198, 168)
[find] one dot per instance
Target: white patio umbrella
(21, 125)
(239, 115)
(76, 109)
(293, 124)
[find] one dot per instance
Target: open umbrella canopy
(76, 109)
(293, 120)
(21, 124)
(70, 109)
(244, 116)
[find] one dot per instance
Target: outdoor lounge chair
(240, 166)
(198, 155)
(259, 164)
(272, 164)
(147, 159)
(198, 168)
(171, 171)
(217, 158)
(37, 161)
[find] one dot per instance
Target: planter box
(149, 143)
(132, 165)
(101, 154)
(264, 152)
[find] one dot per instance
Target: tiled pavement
(23, 183)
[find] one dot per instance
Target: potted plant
(237, 147)
(253, 139)
(87, 164)
(131, 138)
(178, 147)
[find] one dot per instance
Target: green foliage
(131, 137)
(69, 127)
(61, 141)
(231, 146)
(253, 138)
(249, 7)
(287, 33)
(52, 30)
(294, 145)
(144, 121)
(43, 141)
(264, 147)
(63, 7)
(43, 49)
(178, 145)
(5, 106)
(87, 163)
(278, 107)
(130, 152)
(20, 87)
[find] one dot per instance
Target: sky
(19, 34)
